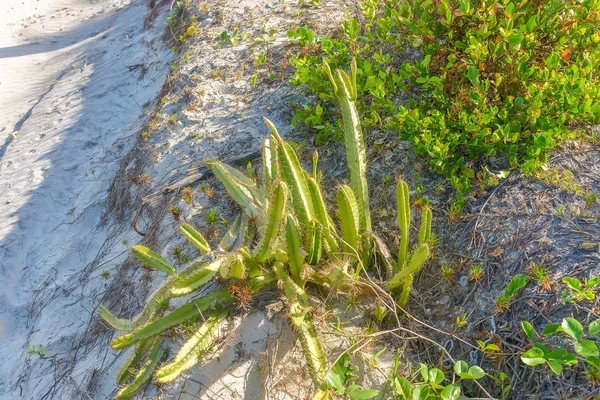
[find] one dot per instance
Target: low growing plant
(585, 349)
(493, 78)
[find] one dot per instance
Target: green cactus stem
(180, 315)
(194, 350)
(195, 238)
(274, 215)
(151, 259)
(145, 373)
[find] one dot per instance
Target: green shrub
(495, 78)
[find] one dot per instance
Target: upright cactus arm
(403, 222)
(145, 373)
(242, 190)
(180, 315)
(321, 214)
(425, 229)
(151, 259)
(349, 219)
(406, 287)
(313, 242)
(293, 246)
(270, 167)
(416, 262)
(192, 352)
(273, 219)
(293, 175)
(346, 93)
(195, 238)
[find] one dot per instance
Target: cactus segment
(356, 154)
(233, 268)
(197, 279)
(241, 188)
(403, 222)
(292, 291)
(120, 324)
(131, 364)
(349, 219)
(270, 171)
(406, 285)
(313, 242)
(145, 373)
(183, 313)
(425, 229)
(272, 221)
(195, 238)
(192, 352)
(311, 345)
(295, 259)
(416, 262)
(329, 230)
(151, 259)
(294, 176)
(232, 235)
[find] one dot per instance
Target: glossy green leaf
(533, 357)
(573, 328)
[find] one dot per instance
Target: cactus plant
(151, 259)
(407, 267)
(356, 154)
(192, 352)
(195, 238)
(145, 373)
(298, 236)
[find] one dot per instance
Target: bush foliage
(490, 78)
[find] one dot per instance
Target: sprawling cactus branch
(297, 242)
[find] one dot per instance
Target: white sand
(70, 108)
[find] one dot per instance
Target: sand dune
(74, 76)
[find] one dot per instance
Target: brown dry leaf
(498, 252)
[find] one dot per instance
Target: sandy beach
(74, 78)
